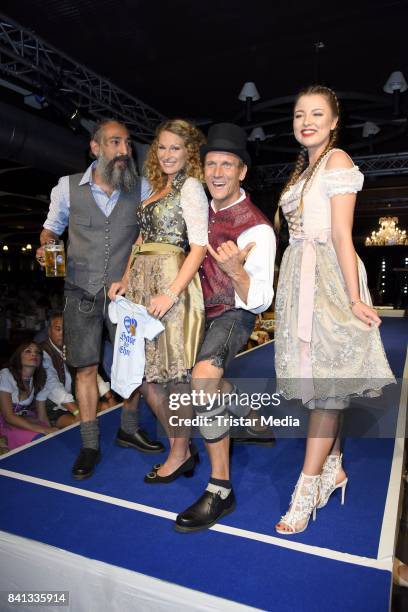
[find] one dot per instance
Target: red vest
(224, 225)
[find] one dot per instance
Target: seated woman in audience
(22, 383)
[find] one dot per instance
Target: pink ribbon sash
(306, 306)
(307, 281)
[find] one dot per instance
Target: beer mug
(54, 256)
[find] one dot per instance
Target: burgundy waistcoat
(224, 225)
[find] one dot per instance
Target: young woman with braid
(327, 343)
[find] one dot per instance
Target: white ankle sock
(223, 491)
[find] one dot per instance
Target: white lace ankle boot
(331, 468)
(302, 505)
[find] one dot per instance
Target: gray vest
(99, 246)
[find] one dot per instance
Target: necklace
(58, 350)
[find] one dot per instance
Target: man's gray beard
(122, 178)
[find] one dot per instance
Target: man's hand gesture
(230, 258)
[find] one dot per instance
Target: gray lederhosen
(224, 337)
(98, 251)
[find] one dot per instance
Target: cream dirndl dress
(324, 355)
(167, 226)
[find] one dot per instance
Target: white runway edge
(393, 504)
(382, 564)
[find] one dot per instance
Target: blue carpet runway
(342, 561)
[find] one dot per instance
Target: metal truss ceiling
(370, 165)
(27, 58)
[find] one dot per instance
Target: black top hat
(228, 138)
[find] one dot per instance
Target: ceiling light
(249, 94)
(396, 85)
(250, 91)
(370, 129)
(257, 134)
(396, 82)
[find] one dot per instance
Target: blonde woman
(162, 275)
(328, 347)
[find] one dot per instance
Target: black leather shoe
(260, 438)
(206, 511)
(85, 463)
(139, 441)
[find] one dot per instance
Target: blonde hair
(301, 160)
(192, 137)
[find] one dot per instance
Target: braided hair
(301, 160)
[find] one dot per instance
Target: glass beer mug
(54, 256)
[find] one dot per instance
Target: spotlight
(75, 120)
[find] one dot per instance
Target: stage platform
(110, 542)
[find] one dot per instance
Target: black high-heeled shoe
(193, 451)
(186, 468)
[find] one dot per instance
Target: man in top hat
(237, 281)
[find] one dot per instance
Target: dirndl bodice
(154, 266)
(162, 220)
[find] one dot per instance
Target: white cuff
(260, 295)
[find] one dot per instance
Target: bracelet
(354, 302)
(175, 298)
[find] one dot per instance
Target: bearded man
(99, 208)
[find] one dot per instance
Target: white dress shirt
(61, 394)
(57, 392)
